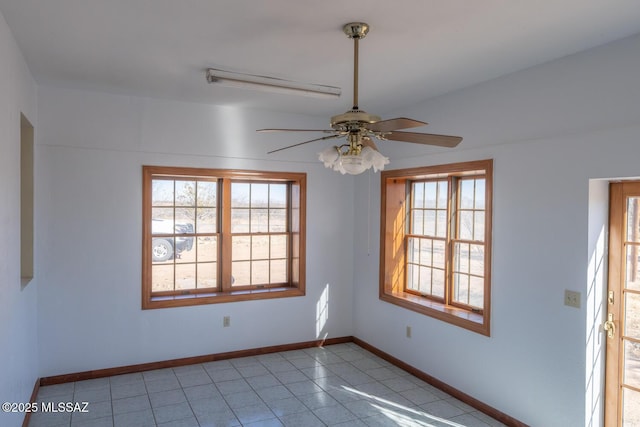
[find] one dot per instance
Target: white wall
(91, 149)
(18, 333)
(550, 129)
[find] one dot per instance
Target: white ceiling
(416, 49)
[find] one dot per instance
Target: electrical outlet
(571, 298)
(226, 321)
(408, 331)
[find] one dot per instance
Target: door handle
(609, 326)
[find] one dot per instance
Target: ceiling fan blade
(296, 130)
(425, 138)
(393, 124)
(305, 142)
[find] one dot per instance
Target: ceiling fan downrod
(355, 31)
(353, 120)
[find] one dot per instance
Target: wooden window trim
(393, 229)
(296, 285)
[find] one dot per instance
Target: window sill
(220, 297)
(465, 319)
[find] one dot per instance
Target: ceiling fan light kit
(353, 158)
(270, 84)
(360, 128)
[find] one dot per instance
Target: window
(213, 235)
(436, 241)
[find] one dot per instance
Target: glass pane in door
(633, 266)
(632, 364)
(630, 408)
(633, 226)
(631, 334)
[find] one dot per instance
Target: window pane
(185, 276)
(260, 272)
(185, 193)
(277, 220)
(418, 195)
(259, 220)
(183, 249)
(442, 194)
(278, 196)
(162, 221)
(467, 193)
(429, 198)
(185, 219)
(207, 249)
(476, 257)
(429, 223)
(438, 282)
(239, 195)
(438, 253)
(413, 250)
(260, 247)
(240, 248)
(207, 193)
(417, 226)
(413, 277)
(425, 280)
(278, 246)
(207, 272)
(480, 193)
(162, 249)
(465, 227)
(207, 220)
(259, 195)
(425, 251)
(478, 227)
(162, 278)
(441, 225)
(476, 291)
(240, 220)
(279, 271)
(161, 192)
(461, 257)
(461, 288)
(241, 273)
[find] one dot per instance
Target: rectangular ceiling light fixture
(271, 84)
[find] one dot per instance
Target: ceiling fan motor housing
(352, 120)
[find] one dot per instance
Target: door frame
(618, 192)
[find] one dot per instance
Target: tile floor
(337, 385)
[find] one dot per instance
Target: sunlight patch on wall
(595, 305)
(322, 312)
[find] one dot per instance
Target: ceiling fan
(359, 127)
